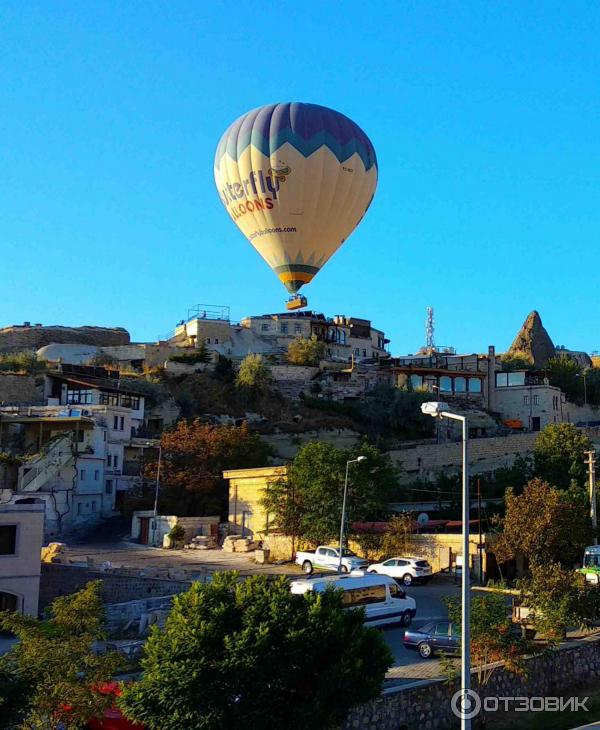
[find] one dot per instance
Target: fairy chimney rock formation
(533, 342)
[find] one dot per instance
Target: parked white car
(329, 558)
(406, 570)
(383, 600)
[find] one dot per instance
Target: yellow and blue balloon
(296, 179)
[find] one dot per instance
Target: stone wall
(286, 445)
(426, 705)
(118, 586)
(18, 337)
(485, 455)
(21, 389)
(118, 615)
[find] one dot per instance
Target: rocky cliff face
(533, 342)
(18, 338)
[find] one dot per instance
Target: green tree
(544, 524)
(565, 373)
(559, 455)
(560, 599)
(252, 654)
(492, 640)
(254, 374)
(311, 498)
(306, 351)
(53, 672)
(397, 537)
(511, 361)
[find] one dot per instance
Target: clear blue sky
(485, 117)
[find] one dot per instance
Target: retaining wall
(426, 705)
(117, 587)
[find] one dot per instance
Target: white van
(381, 597)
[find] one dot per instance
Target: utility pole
(479, 545)
(591, 465)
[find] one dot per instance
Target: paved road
(408, 664)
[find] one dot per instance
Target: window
(416, 381)
(364, 353)
(80, 508)
(445, 384)
(122, 423)
(115, 460)
(78, 396)
(93, 505)
(396, 591)
(208, 340)
(96, 475)
(442, 629)
(536, 400)
(474, 385)
(264, 327)
(390, 563)
(525, 400)
(109, 399)
(297, 329)
(284, 328)
(108, 487)
(501, 380)
(364, 596)
(104, 435)
(460, 385)
(109, 460)
(8, 539)
(82, 474)
(130, 401)
(555, 402)
(216, 340)
(115, 423)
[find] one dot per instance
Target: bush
(22, 362)
(177, 533)
(192, 358)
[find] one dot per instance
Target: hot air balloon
(297, 179)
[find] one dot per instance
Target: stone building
(21, 535)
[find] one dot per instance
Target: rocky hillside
(18, 338)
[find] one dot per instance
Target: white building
(74, 448)
(21, 535)
(345, 338)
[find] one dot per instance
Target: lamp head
(361, 458)
(433, 408)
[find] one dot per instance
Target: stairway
(35, 473)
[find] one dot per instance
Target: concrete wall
(20, 573)
(118, 615)
(21, 389)
(426, 704)
(485, 455)
(117, 587)
(193, 526)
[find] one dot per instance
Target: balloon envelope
(296, 179)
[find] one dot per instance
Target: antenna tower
(429, 330)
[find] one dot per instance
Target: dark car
(435, 637)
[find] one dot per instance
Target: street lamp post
(440, 410)
(156, 490)
(352, 461)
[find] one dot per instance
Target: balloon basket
(297, 302)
